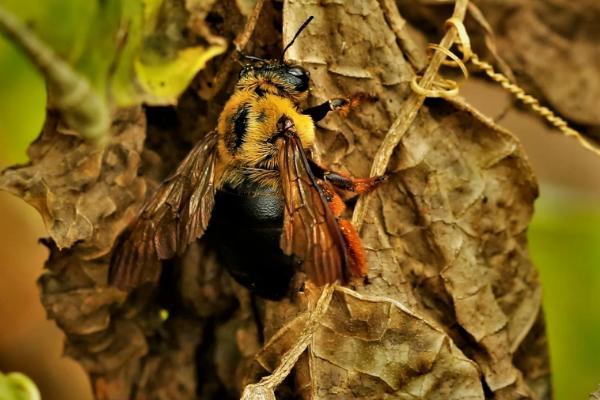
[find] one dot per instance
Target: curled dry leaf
(77, 186)
(86, 196)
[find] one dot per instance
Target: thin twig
(415, 55)
(516, 90)
(535, 105)
(408, 113)
(264, 389)
(240, 43)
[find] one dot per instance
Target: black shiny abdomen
(245, 228)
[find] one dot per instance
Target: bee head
(275, 76)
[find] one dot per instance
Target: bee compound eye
(297, 71)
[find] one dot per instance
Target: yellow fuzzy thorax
(263, 114)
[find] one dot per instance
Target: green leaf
(163, 82)
(21, 104)
(16, 386)
(99, 55)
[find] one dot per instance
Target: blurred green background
(564, 244)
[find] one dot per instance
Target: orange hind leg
(356, 253)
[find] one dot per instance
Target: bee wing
(177, 214)
(310, 230)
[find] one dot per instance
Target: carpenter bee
(274, 208)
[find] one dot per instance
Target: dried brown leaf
(445, 236)
(86, 196)
(78, 186)
(551, 47)
(369, 347)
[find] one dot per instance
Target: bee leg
(356, 254)
(319, 112)
(342, 105)
(357, 185)
(335, 202)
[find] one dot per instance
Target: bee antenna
(249, 57)
(304, 25)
